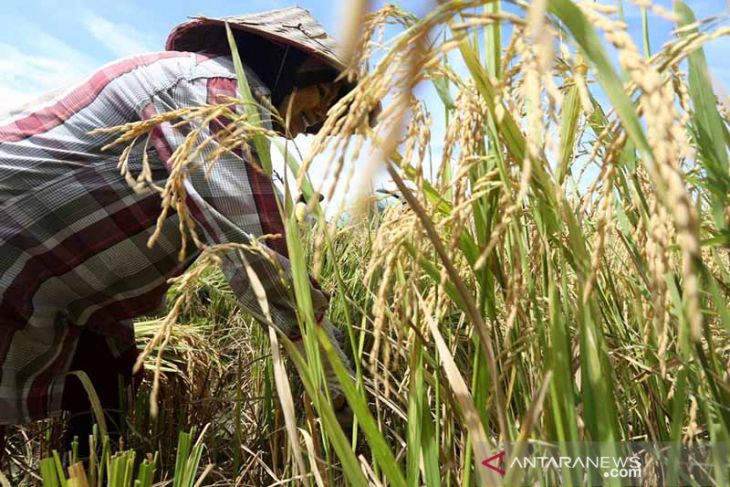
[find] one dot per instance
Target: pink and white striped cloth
(73, 234)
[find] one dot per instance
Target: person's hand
(343, 413)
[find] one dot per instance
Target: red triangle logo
(488, 462)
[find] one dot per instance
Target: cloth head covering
(286, 48)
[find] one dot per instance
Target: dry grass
(518, 295)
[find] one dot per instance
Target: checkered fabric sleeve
(73, 233)
(231, 199)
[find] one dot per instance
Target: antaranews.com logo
(618, 464)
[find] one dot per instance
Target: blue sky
(46, 44)
(49, 43)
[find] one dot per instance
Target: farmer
(75, 267)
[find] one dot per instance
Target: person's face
(305, 107)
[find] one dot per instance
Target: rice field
(556, 268)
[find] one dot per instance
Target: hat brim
(190, 36)
(195, 34)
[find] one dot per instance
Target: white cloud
(39, 71)
(44, 64)
(122, 40)
(11, 98)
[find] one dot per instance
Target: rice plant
(122, 468)
(559, 270)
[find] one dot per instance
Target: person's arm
(233, 201)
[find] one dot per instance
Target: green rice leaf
(251, 106)
(49, 474)
(379, 447)
(93, 399)
(330, 426)
(568, 126)
(708, 126)
(590, 44)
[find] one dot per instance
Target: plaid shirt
(73, 234)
